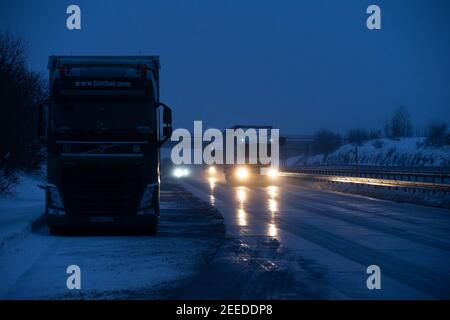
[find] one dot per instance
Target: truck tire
(153, 229)
(153, 226)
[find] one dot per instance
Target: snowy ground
(407, 152)
(33, 263)
(19, 208)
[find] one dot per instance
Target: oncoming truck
(250, 171)
(101, 126)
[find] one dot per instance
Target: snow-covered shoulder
(406, 152)
(22, 205)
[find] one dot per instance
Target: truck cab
(101, 127)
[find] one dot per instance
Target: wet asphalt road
(294, 242)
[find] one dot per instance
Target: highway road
(294, 242)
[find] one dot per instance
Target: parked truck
(101, 127)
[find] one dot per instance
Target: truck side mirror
(167, 131)
(167, 116)
(167, 123)
(43, 113)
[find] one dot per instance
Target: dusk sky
(297, 65)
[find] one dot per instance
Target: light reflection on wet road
(242, 203)
(291, 242)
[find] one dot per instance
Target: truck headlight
(272, 173)
(242, 173)
(212, 170)
(181, 172)
(148, 195)
(54, 196)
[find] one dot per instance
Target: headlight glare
(242, 173)
(181, 172)
(212, 170)
(272, 173)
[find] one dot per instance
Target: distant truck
(249, 173)
(101, 127)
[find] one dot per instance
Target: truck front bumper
(134, 222)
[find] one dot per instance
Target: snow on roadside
(384, 152)
(19, 207)
(112, 266)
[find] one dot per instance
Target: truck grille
(101, 190)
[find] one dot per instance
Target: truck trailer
(101, 128)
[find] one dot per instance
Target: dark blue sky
(299, 65)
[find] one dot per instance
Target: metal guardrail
(438, 181)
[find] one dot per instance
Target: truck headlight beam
(273, 173)
(212, 170)
(181, 172)
(242, 173)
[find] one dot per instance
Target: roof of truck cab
(113, 61)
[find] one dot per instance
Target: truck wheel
(153, 226)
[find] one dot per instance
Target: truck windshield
(103, 115)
